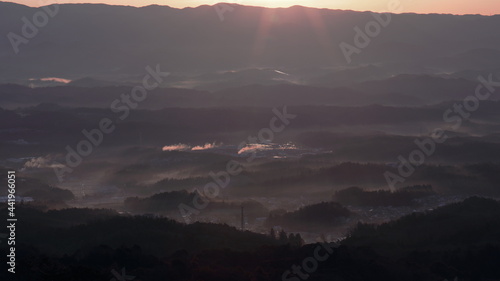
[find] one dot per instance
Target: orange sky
(485, 7)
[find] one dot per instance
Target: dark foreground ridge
(458, 240)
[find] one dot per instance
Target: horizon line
(241, 5)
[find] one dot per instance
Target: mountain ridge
(124, 40)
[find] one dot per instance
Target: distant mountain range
(116, 43)
(401, 90)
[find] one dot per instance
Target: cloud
(19, 142)
(55, 79)
(205, 147)
(254, 147)
(176, 147)
(42, 162)
(266, 147)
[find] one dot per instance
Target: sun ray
(324, 37)
(262, 36)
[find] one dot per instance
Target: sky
(485, 7)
